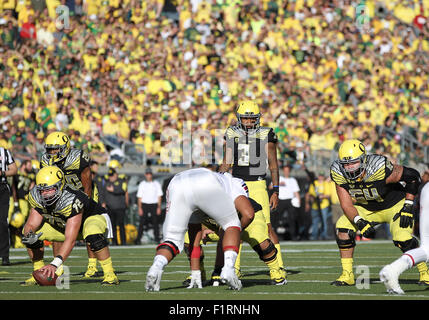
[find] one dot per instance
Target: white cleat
(229, 277)
(153, 279)
(390, 278)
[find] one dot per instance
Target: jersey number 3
(244, 153)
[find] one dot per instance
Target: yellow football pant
(92, 225)
(382, 216)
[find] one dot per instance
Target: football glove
(405, 215)
(365, 227)
(195, 280)
(31, 238)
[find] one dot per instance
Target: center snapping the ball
(43, 280)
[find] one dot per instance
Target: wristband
(58, 261)
(276, 189)
(356, 219)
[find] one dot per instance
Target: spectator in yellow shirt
(319, 196)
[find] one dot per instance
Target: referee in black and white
(8, 169)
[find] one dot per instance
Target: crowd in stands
(129, 69)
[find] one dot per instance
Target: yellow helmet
(245, 110)
(115, 164)
(50, 177)
(17, 220)
(351, 152)
(57, 146)
(35, 164)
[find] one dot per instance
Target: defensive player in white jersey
(219, 196)
(390, 273)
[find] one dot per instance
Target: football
(43, 280)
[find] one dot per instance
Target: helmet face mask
(352, 159)
(57, 147)
(50, 194)
(248, 116)
(353, 169)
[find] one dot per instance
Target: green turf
(311, 266)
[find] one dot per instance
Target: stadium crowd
(127, 70)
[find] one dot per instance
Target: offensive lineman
(219, 196)
(72, 215)
(370, 192)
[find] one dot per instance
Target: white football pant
(200, 190)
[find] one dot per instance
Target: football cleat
(110, 279)
(345, 279)
(90, 272)
(228, 276)
(278, 277)
(153, 279)
(29, 282)
(390, 278)
(424, 278)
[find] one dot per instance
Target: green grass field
(311, 266)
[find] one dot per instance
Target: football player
(68, 215)
(75, 164)
(390, 273)
(219, 196)
(247, 149)
(371, 191)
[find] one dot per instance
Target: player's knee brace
(407, 245)
(169, 246)
(345, 244)
(271, 250)
(96, 242)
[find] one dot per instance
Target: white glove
(195, 280)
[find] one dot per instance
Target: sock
(160, 261)
(403, 263)
(237, 264)
(107, 266)
(230, 257)
(347, 264)
(279, 255)
(38, 264)
(92, 263)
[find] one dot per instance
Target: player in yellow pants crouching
(68, 215)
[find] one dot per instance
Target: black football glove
(365, 228)
(405, 215)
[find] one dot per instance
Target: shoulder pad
(336, 173)
(72, 161)
(44, 161)
(65, 202)
(233, 132)
(262, 132)
(34, 199)
(375, 167)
